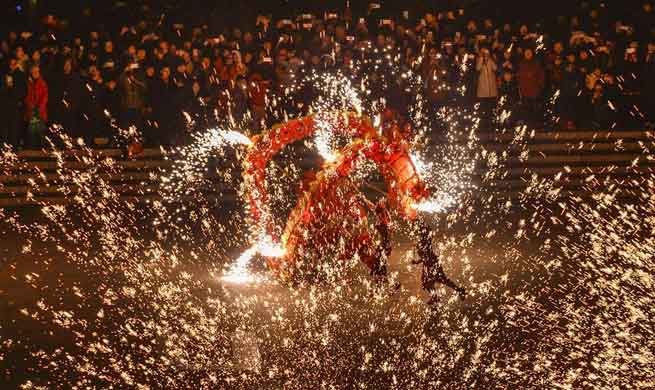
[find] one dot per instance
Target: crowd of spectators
(587, 69)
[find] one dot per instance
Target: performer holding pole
(432, 269)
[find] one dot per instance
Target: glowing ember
(239, 273)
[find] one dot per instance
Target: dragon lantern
(330, 210)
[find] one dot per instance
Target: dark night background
(19, 14)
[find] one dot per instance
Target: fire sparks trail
(106, 292)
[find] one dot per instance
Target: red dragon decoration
(330, 210)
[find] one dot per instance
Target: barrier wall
(619, 157)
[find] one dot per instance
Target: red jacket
(37, 97)
(530, 78)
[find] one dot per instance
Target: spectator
(36, 108)
(487, 90)
(570, 88)
(14, 91)
(509, 93)
(164, 103)
(531, 85)
(595, 112)
(133, 91)
(65, 98)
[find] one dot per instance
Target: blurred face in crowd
(528, 54)
(35, 72)
(340, 33)
(647, 7)
(523, 30)
(195, 55)
(163, 47)
(584, 55)
(93, 71)
(150, 71)
(94, 35)
(282, 56)
(195, 88)
(36, 56)
(165, 73)
(131, 50)
(247, 38)
(306, 55)
(558, 48)
(13, 64)
(247, 58)
(381, 40)
(109, 47)
(111, 85)
(471, 26)
(181, 68)
(347, 57)
(507, 77)
(68, 66)
(632, 57)
(507, 55)
(20, 52)
(236, 58)
(141, 54)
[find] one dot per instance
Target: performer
(432, 269)
(379, 266)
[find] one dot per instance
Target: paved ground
(264, 318)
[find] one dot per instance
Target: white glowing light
(191, 164)
(239, 273)
(322, 141)
(422, 167)
(234, 137)
(268, 248)
(437, 204)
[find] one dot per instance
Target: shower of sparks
(436, 205)
(239, 272)
(106, 292)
